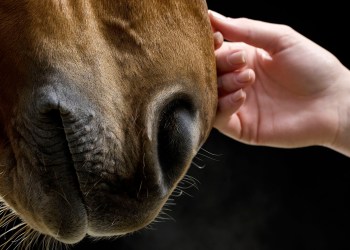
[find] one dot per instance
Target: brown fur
(83, 90)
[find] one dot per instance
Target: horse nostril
(175, 138)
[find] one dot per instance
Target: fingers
(228, 60)
(234, 81)
(232, 67)
(230, 103)
(256, 33)
(226, 120)
(232, 94)
(227, 108)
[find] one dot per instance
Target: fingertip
(264, 55)
(252, 75)
(217, 20)
(234, 81)
(218, 39)
(246, 76)
(230, 59)
(237, 58)
(230, 103)
(216, 15)
(237, 96)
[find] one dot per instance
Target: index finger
(256, 33)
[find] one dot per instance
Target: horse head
(103, 105)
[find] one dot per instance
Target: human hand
(233, 74)
(300, 94)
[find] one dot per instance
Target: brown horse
(103, 105)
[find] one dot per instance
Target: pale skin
(278, 88)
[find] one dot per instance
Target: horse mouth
(88, 173)
(56, 206)
(77, 187)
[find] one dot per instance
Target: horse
(103, 106)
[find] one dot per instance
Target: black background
(257, 198)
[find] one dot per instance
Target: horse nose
(176, 134)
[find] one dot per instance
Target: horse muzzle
(93, 175)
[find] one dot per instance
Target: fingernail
(264, 55)
(218, 36)
(217, 15)
(218, 39)
(244, 76)
(236, 58)
(237, 96)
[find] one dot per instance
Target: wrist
(341, 141)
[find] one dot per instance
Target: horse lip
(54, 183)
(61, 149)
(92, 165)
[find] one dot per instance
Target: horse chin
(57, 207)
